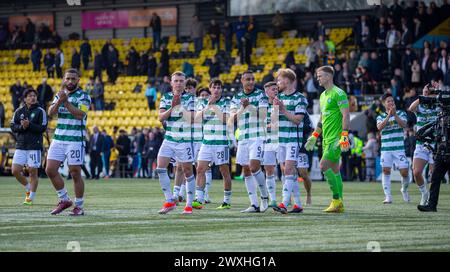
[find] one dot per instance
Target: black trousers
(440, 169)
(96, 164)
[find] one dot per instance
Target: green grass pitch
(121, 215)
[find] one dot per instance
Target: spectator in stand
(152, 66)
(380, 37)
(30, 31)
(375, 67)
(44, 33)
(17, 37)
(435, 73)
(49, 62)
(188, 69)
(393, 39)
(240, 28)
(4, 33)
(197, 33)
(89, 87)
(164, 61)
(214, 68)
(419, 28)
(415, 73)
(132, 59)
(36, 56)
(98, 65)
(311, 86)
(20, 59)
(447, 75)
(425, 64)
(433, 17)
(155, 24)
(86, 53)
(98, 94)
(2, 120)
(444, 10)
(228, 34)
(143, 63)
(396, 12)
(16, 91)
(277, 24)
(76, 59)
(364, 61)
(151, 152)
(112, 64)
(214, 34)
(56, 39)
(319, 30)
(150, 93)
(407, 36)
(253, 29)
(95, 153)
(407, 61)
(105, 52)
(108, 144)
(123, 145)
(353, 62)
(45, 94)
(443, 61)
(165, 87)
(59, 62)
(371, 152)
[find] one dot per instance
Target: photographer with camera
(435, 135)
(422, 155)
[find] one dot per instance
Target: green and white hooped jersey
(214, 130)
(197, 127)
(271, 134)
(178, 125)
(288, 131)
(249, 123)
(424, 116)
(392, 136)
(68, 128)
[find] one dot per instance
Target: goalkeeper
(334, 124)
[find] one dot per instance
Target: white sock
(287, 189)
(405, 183)
(62, 194)
(208, 183)
(261, 181)
(190, 190)
(182, 192)
(271, 187)
(283, 179)
(79, 202)
(227, 197)
(27, 187)
(386, 182)
(164, 181)
(32, 195)
(176, 191)
(200, 194)
(250, 183)
(296, 193)
(423, 189)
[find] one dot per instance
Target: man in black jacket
(95, 153)
(28, 123)
(16, 91)
(45, 93)
(123, 145)
(86, 53)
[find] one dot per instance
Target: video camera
(436, 135)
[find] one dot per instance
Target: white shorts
(270, 158)
(30, 158)
(181, 152)
(217, 154)
(422, 153)
(388, 158)
(249, 150)
(302, 161)
(197, 146)
(288, 152)
(74, 152)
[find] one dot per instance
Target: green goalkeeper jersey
(331, 103)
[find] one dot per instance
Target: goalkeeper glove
(311, 142)
(344, 142)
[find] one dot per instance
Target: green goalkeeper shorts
(332, 151)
